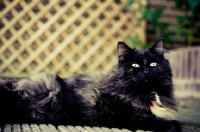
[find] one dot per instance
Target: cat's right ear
(123, 51)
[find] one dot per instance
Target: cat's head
(147, 69)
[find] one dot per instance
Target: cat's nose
(145, 71)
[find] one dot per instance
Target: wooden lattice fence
(62, 36)
(185, 63)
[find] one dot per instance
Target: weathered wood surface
(185, 64)
(52, 128)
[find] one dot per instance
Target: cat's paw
(168, 126)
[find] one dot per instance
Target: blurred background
(68, 37)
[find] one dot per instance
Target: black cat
(136, 94)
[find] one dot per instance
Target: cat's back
(87, 86)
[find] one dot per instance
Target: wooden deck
(52, 128)
(188, 116)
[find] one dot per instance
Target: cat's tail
(8, 101)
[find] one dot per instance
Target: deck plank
(116, 130)
(80, 128)
(16, 128)
(62, 128)
(98, 129)
(126, 130)
(90, 129)
(7, 128)
(35, 128)
(44, 128)
(73, 129)
(26, 128)
(52, 128)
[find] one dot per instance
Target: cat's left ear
(123, 51)
(159, 46)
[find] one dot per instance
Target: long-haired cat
(136, 94)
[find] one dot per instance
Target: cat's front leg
(168, 126)
(150, 123)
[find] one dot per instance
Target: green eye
(153, 64)
(135, 65)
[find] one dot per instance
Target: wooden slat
(98, 129)
(7, 128)
(126, 130)
(16, 128)
(44, 128)
(186, 81)
(116, 130)
(198, 64)
(80, 128)
(62, 128)
(73, 129)
(106, 129)
(90, 129)
(35, 128)
(52, 128)
(194, 62)
(26, 128)
(185, 58)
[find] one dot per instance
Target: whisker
(125, 84)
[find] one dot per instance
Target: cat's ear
(159, 46)
(123, 50)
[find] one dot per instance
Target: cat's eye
(135, 65)
(153, 64)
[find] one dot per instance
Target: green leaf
(147, 45)
(166, 37)
(193, 3)
(179, 31)
(157, 14)
(148, 14)
(163, 26)
(135, 40)
(181, 19)
(128, 5)
(190, 35)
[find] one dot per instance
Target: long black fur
(122, 98)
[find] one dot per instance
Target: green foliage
(188, 22)
(129, 5)
(193, 3)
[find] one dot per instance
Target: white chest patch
(159, 110)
